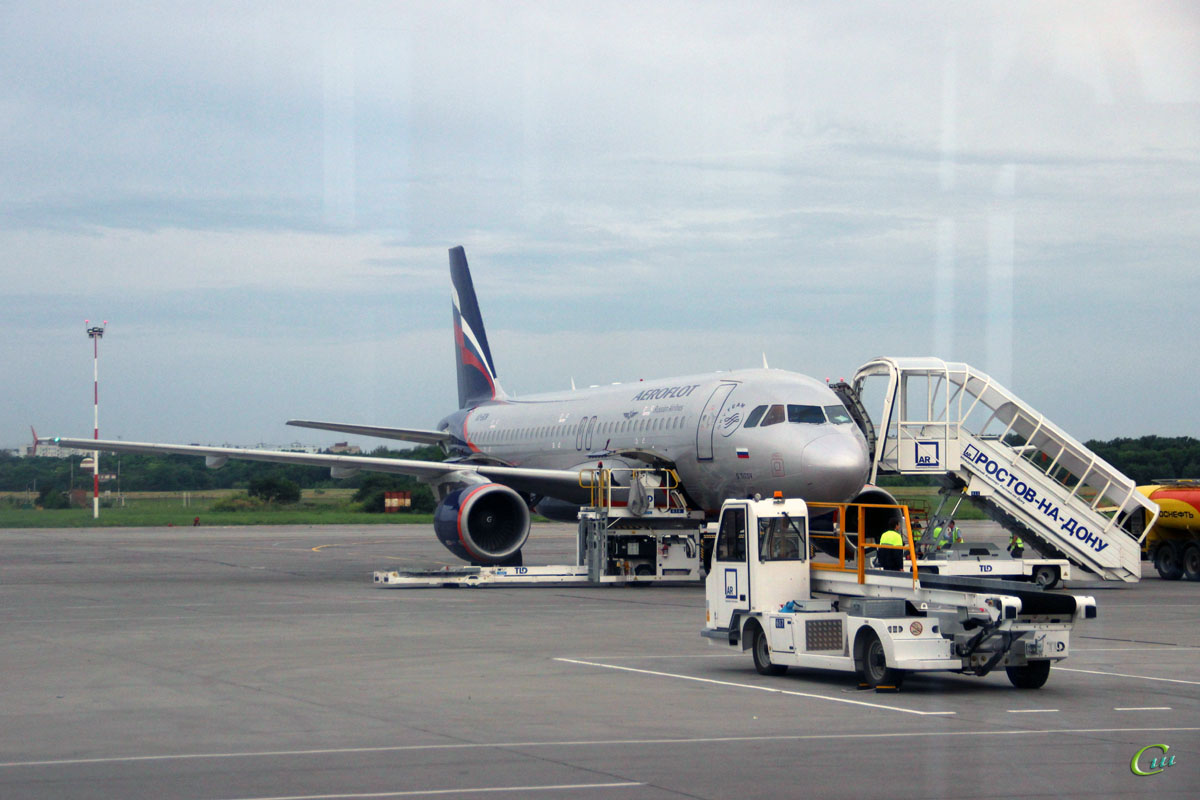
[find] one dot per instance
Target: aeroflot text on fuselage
(666, 392)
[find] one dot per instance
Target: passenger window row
(563, 432)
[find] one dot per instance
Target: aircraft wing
(558, 483)
(407, 434)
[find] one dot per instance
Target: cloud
(818, 179)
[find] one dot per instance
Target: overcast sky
(259, 198)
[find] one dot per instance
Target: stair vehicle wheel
(1031, 676)
(1167, 562)
(762, 653)
(1191, 562)
(874, 670)
(1046, 576)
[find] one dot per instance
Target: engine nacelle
(484, 524)
(877, 520)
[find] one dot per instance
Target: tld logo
(1157, 763)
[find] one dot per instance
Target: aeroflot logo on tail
(668, 391)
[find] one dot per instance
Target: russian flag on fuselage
(476, 372)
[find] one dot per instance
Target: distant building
(343, 448)
(294, 447)
(52, 451)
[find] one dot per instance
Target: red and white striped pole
(95, 332)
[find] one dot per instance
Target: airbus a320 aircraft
(726, 434)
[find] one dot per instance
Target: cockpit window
(838, 415)
(807, 414)
(774, 416)
(762, 416)
(755, 416)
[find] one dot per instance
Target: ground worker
(954, 535)
(1016, 546)
(938, 536)
(887, 557)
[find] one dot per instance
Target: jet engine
(876, 520)
(484, 524)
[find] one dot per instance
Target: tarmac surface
(262, 662)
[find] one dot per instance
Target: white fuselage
(728, 434)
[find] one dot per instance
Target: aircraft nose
(835, 467)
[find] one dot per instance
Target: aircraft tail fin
(476, 373)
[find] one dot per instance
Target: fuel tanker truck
(1173, 542)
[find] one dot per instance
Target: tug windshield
(781, 539)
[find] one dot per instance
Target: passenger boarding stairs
(951, 420)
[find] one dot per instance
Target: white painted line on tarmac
(1126, 675)
(404, 748)
(1163, 648)
(1033, 711)
(1144, 708)
(755, 687)
(433, 792)
(659, 657)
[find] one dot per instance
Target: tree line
(1149, 459)
(176, 473)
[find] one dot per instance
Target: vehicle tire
(1031, 676)
(1167, 562)
(1191, 562)
(762, 653)
(1046, 576)
(873, 669)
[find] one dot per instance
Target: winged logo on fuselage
(731, 419)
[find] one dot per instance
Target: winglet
(33, 452)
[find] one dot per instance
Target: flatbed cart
(986, 560)
(653, 538)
